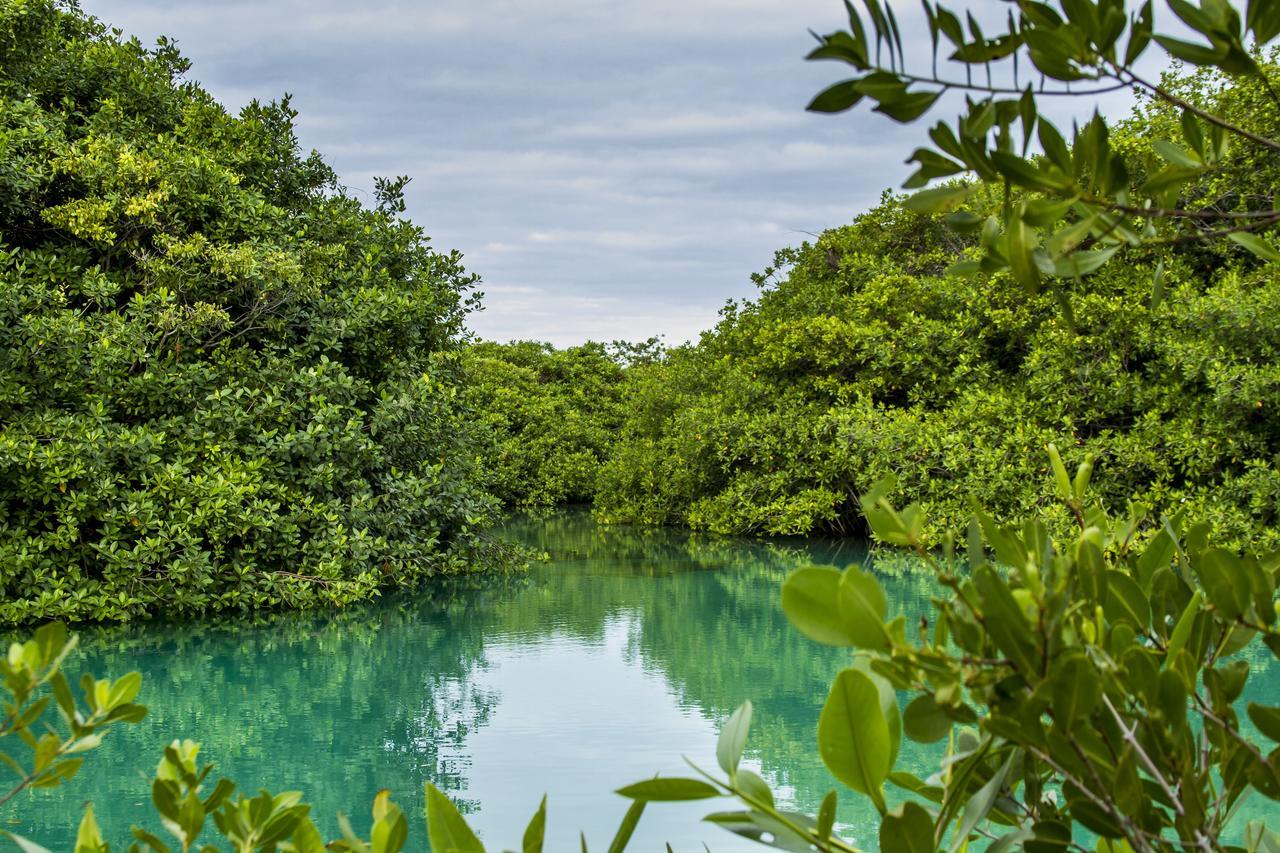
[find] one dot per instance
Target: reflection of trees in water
(340, 704)
(717, 637)
(336, 705)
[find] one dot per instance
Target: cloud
(611, 169)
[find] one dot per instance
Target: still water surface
(604, 665)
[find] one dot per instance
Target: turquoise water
(604, 665)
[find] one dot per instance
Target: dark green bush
(224, 383)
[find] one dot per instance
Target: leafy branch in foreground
(30, 670)
(1072, 204)
(1082, 682)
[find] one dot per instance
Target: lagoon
(606, 663)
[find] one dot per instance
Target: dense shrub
(224, 383)
(862, 357)
(551, 416)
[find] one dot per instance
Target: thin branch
(1170, 98)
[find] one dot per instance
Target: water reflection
(622, 652)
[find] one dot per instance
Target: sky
(611, 170)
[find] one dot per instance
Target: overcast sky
(610, 169)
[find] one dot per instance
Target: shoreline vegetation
(228, 387)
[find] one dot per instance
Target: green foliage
(865, 359)
(32, 669)
(224, 384)
(1087, 681)
(1073, 205)
(553, 415)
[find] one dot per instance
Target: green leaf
(1005, 621)
(810, 599)
(754, 786)
(1080, 264)
(1182, 630)
(89, 836)
(1169, 178)
(827, 816)
(535, 833)
(149, 839)
(124, 690)
(667, 790)
(853, 735)
(628, 827)
(763, 829)
(1077, 687)
(1263, 18)
(1025, 173)
(924, 721)
(980, 805)
(1044, 212)
(1255, 244)
(1060, 476)
(1126, 602)
(908, 107)
(1021, 243)
(862, 606)
(733, 739)
(1188, 52)
(447, 830)
(908, 828)
(1176, 155)
(390, 829)
(1266, 718)
(836, 98)
(306, 838)
(939, 199)
(1259, 839)
(1140, 34)
(1157, 286)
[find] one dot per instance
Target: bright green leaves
(862, 607)
(1084, 661)
(1090, 178)
(390, 827)
(31, 668)
(1255, 245)
(733, 739)
(668, 790)
(854, 737)
(258, 372)
(447, 830)
(535, 832)
(1021, 244)
(838, 608)
(89, 835)
(888, 524)
(810, 598)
